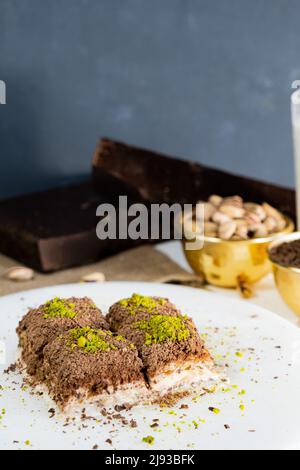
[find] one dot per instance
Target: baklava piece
(127, 310)
(174, 356)
(93, 366)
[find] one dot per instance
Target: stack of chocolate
(56, 229)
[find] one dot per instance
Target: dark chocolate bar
(55, 229)
(155, 177)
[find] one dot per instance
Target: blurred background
(207, 80)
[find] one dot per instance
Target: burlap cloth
(139, 264)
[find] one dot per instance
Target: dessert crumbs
(51, 413)
(154, 425)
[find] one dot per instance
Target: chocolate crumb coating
(92, 361)
(162, 340)
(43, 324)
(139, 306)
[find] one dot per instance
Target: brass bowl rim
(288, 237)
(270, 238)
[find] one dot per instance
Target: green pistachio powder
(158, 329)
(59, 308)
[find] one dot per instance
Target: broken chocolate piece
(126, 310)
(125, 169)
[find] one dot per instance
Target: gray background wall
(209, 80)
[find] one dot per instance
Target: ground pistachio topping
(139, 302)
(91, 340)
(59, 308)
(161, 328)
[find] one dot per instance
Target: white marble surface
(266, 294)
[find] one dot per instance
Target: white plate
(267, 370)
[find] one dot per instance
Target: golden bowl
(287, 279)
(224, 262)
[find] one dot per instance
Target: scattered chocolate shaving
(51, 412)
(95, 447)
(226, 426)
(109, 441)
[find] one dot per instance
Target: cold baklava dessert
(144, 350)
(43, 324)
(174, 357)
(94, 365)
